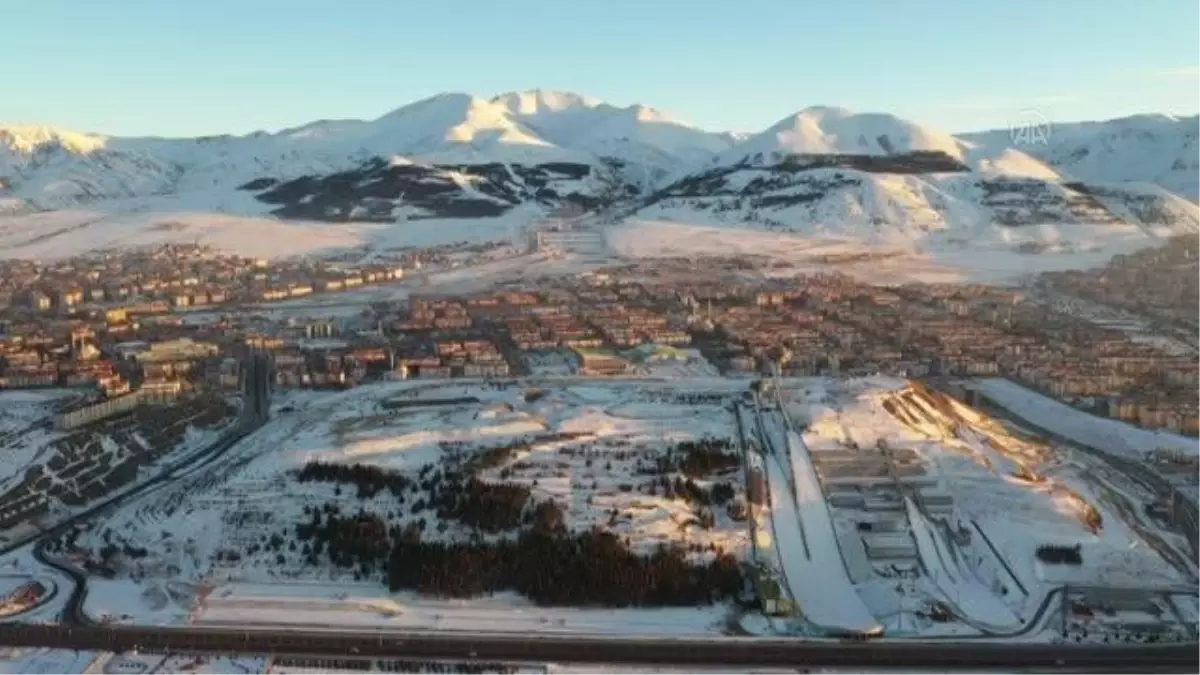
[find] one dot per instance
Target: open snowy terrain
(586, 448)
(932, 513)
(788, 253)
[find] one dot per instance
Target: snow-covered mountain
(822, 171)
(1144, 148)
(828, 172)
(43, 168)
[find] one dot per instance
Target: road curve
(256, 411)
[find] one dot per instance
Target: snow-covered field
(23, 439)
(51, 235)
(995, 260)
(43, 661)
(906, 504)
(588, 444)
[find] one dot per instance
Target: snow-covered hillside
(836, 131)
(821, 172)
(827, 172)
(45, 168)
(1144, 148)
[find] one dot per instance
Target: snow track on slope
(819, 581)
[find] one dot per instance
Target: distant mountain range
(822, 170)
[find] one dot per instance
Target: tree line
(369, 479)
(592, 568)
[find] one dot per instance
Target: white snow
(963, 590)
(992, 257)
(249, 493)
(939, 227)
(824, 130)
(525, 127)
(1143, 148)
(815, 572)
(371, 606)
(60, 234)
(1104, 434)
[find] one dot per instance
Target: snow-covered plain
(1007, 495)
(984, 261)
(250, 493)
(53, 235)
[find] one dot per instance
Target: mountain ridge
(823, 170)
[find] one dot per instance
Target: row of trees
(369, 479)
(696, 459)
(1060, 555)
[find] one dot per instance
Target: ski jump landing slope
(818, 579)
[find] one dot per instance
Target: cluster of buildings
(1163, 283)
(602, 323)
(175, 276)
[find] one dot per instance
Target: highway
(576, 649)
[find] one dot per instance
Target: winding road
(255, 412)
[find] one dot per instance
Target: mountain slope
(821, 172)
(47, 168)
(1144, 148)
(828, 131)
(828, 172)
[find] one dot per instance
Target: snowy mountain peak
(28, 138)
(823, 169)
(643, 113)
(825, 130)
(534, 101)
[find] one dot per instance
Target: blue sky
(213, 66)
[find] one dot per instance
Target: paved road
(570, 649)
